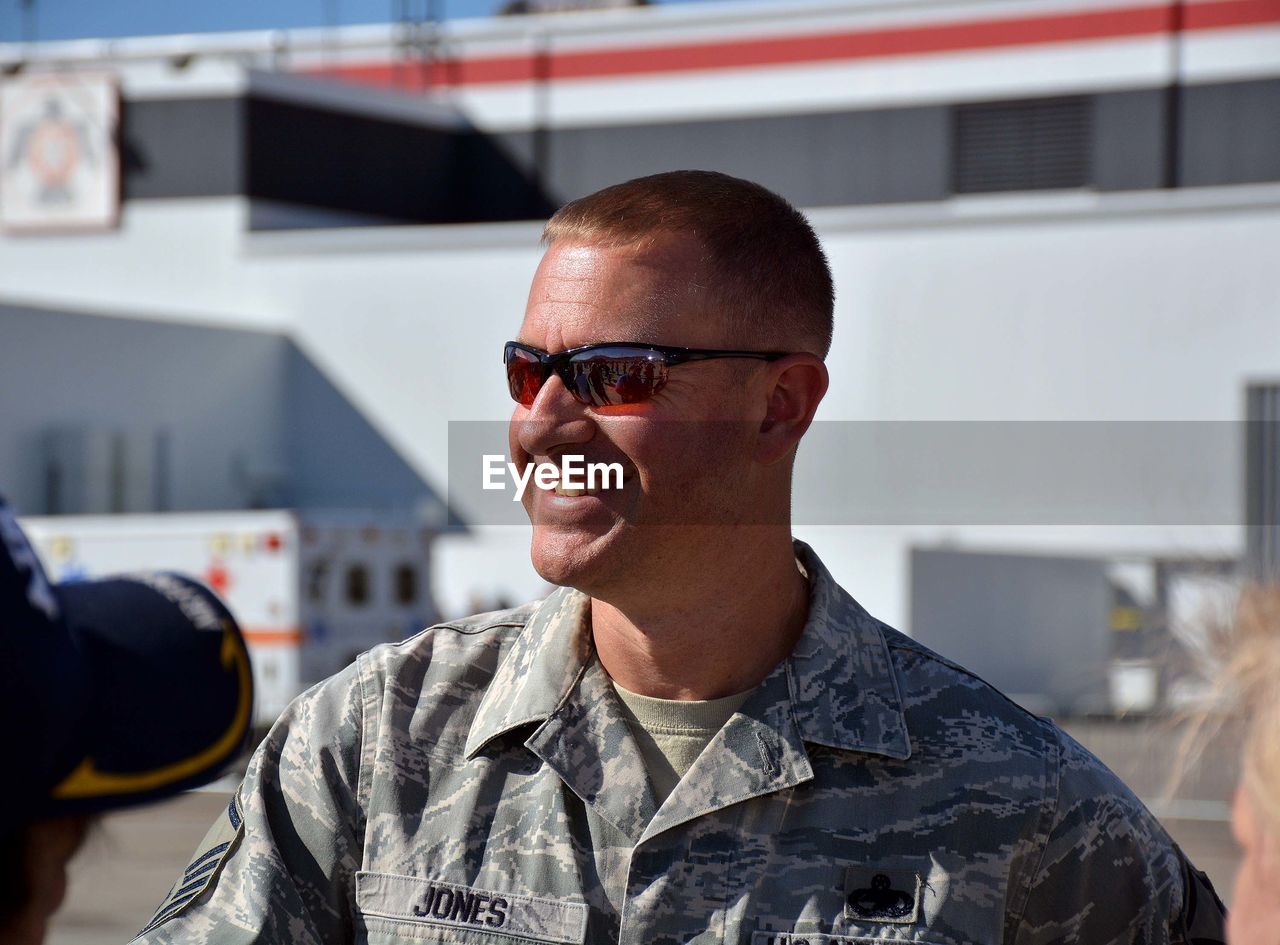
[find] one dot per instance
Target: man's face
(685, 452)
(1255, 907)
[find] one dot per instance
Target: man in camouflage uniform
(546, 774)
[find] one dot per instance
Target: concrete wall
(218, 395)
(1035, 627)
(224, 419)
(440, 169)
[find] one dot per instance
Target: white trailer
(310, 590)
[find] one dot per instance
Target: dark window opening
(405, 582)
(1039, 144)
(357, 585)
(317, 579)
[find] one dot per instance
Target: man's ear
(797, 384)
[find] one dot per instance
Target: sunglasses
(606, 374)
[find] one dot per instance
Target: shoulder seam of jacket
(1054, 767)
(459, 627)
(927, 654)
(364, 777)
(471, 631)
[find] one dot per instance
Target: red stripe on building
(1207, 16)
(1118, 23)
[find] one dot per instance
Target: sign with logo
(59, 161)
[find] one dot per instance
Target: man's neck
(709, 633)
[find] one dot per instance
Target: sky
(73, 19)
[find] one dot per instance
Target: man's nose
(553, 421)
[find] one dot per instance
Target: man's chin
(573, 558)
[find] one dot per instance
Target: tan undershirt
(671, 733)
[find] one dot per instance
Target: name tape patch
(414, 899)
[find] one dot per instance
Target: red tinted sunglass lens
(608, 381)
(524, 376)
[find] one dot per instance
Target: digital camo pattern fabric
(478, 785)
(204, 866)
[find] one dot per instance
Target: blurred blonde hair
(1247, 687)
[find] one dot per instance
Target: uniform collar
(540, 671)
(842, 686)
(551, 678)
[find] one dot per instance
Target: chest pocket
(827, 903)
(396, 908)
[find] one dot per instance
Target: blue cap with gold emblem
(114, 692)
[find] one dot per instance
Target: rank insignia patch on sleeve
(876, 895)
(204, 866)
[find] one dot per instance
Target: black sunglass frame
(670, 355)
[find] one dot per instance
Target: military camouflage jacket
(478, 784)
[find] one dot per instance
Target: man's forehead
(668, 264)
(584, 293)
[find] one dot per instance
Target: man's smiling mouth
(595, 490)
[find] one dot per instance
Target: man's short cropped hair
(767, 268)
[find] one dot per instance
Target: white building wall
(1133, 307)
(1126, 307)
